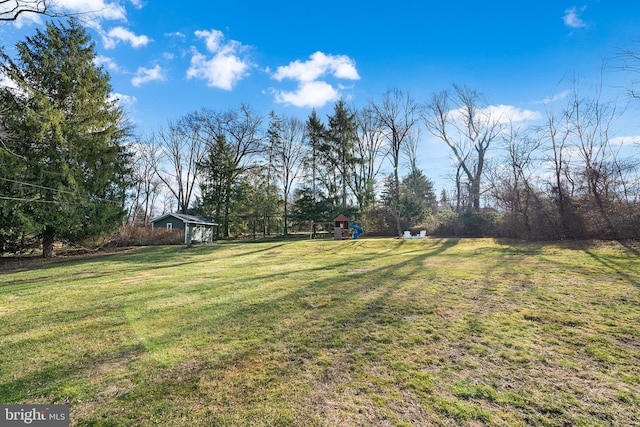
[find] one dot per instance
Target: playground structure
(341, 227)
(358, 229)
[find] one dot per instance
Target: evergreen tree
(63, 166)
(339, 146)
(273, 165)
(444, 202)
(314, 136)
(215, 185)
(417, 197)
(305, 209)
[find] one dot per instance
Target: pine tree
(339, 145)
(273, 167)
(64, 160)
(417, 197)
(314, 132)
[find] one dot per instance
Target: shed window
(169, 226)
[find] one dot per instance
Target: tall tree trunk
(459, 189)
(396, 196)
(286, 214)
(344, 180)
(475, 194)
(47, 242)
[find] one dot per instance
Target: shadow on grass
(616, 267)
(323, 320)
(242, 319)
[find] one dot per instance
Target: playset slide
(358, 229)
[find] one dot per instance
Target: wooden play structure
(340, 228)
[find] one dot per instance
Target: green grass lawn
(378, 332)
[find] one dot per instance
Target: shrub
(146, 236)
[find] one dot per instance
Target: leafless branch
(10, 10)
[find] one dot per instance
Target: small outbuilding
(195, 228)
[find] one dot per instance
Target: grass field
(378, 332)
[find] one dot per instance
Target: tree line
(255, 174)
(565, 178)
(73, 169)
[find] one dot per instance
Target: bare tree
(630, 62)
(291, 155)
(467, 126)
(244, 129)
(10, 10)
(177, 163)
(555, 138)
(233, 140)
(411, 148)
(512, 182)
(397, 114)
(590, 122)
(371, 148)
(145, 185)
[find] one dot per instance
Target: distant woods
(566, 177)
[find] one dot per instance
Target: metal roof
(187, 219)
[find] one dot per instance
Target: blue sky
(168, 58)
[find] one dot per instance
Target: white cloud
(212, 38)
(309, 94)
(311, 91)
(318, 65)
(97, 9)
(6, 81)
(93, 12)
(225, 67)
(572, 18)
(146, 75)
(27, 19)
(177, 34)
(625, 140)
(509, 113)
(555, 97)
(136, 3)
(118, 34)
(500, 114)
(108, 62)
(221, 71)
(123, 100)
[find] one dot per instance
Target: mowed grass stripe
(365, 332)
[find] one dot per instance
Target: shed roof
(341, 218)
(187, 219)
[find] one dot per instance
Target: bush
(146, 236)
(478, 224)
(468, 224)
